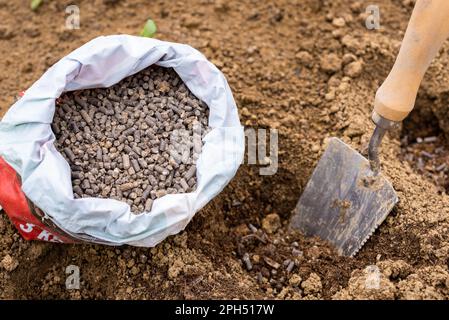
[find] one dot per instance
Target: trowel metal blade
(343, 202)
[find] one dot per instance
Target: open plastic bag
(35, 180)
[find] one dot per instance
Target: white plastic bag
(26, 141)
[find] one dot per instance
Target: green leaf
(35, 4)
(149, 29)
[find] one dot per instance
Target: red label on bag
(26, 217)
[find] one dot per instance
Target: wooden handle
(427, 29)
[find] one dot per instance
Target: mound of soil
(307, 68)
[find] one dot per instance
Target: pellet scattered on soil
(135, 141)
(247, 262)
(428, 156)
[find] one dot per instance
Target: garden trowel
(347, 197)
(344, 200)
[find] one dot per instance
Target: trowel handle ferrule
(383, 122)
(427, 29)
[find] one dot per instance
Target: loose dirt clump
(9, 263)
(296, 68)
(396, 280)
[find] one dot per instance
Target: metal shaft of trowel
(382, 126)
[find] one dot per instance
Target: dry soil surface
(308, 68)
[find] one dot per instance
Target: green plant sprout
(149, 29)
(35, 4)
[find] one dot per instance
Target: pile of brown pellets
(135, 141)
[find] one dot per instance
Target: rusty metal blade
(343, 201)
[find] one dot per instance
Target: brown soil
(272, 54)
